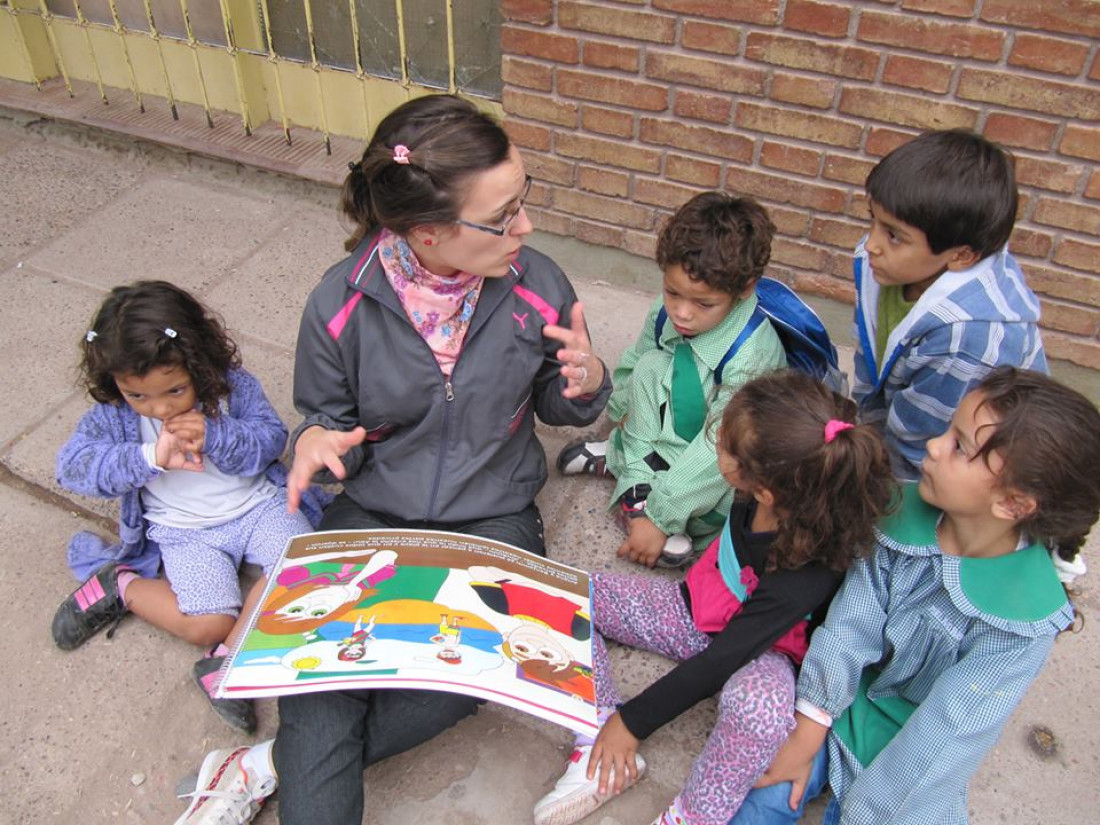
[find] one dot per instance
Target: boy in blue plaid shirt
(939, 300)
(934, 639)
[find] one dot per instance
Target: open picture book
(421, 609)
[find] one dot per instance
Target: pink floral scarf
(440, 308)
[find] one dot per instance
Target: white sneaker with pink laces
(575, 796)
(226, 793)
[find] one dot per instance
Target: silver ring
(584, 375)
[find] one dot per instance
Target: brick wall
(624, 110)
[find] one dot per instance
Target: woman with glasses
(423, 358)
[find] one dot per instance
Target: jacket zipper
(448, 397)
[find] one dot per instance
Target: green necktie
(689, 403)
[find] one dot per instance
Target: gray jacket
(438, 450)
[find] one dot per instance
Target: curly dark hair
(719, 239)
(828, 495)
(1049, 439)
(128, 337)
(449, 141)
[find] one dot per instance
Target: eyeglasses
(509, 216)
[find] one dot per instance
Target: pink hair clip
(401, 154)
(835, 426)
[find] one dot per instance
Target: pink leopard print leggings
(755, 707)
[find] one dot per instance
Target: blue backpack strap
(659, 325)
(755, 320)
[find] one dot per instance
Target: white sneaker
(225, 794)
(575, 796)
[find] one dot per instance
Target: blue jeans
(770, 805)
(326, 740)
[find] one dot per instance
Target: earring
(428, 242)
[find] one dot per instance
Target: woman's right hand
(316, 449)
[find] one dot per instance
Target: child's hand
(794, 761)
(582, 370)
(614, 748)
(190, 428)
(644, 542)
(174, 454)
(316, 449)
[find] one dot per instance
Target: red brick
(546, 221)
(764, 12)
(549, 168)
(1048, 54)
(1072, 319)
(825, 19)
(607, 152)
(857, 206)
(805, 91)
(790, 222)
(710, 37)
(789, 123)
(802, 255)
(690, 170)
(590, 86)
(538, 12)
(882, 142)
(781, 189)
(1017, 130)
(948, 8)
(802, 53)
(1048, 174)
(609, 210)
(1030, 243)
(644, 245)
(599, 234)
(661, 193)
(1079, 255)
(607, 121)
(539, 107)
(528, 135)
(1019, 91)
(518, 72)
(846, 169)
(1094, 73)
(713, 75)
(700, 106)
(601, 18)
(556, 47)
(928, 35)
(917, 73)
(790, 158)
(813, 283)
(611, 56)
(1077, 17)
(1080, 142)
(603, 181)
(1092, 190)
(703, 140)
(1080, 351)
(1066, 215)
(1062, 284)
(834, 232)
(906, 110)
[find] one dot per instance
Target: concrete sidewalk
(102, 734)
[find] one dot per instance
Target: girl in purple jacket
(189, 444)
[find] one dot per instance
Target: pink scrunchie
(835, 426)
(401, 154)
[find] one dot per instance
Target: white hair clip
(90, 335)
(171, 333)
(1068, 570)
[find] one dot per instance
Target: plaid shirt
(692, 486)
(962, 327)
(911, 615)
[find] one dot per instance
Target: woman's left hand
(583, 371)
(614, 749)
